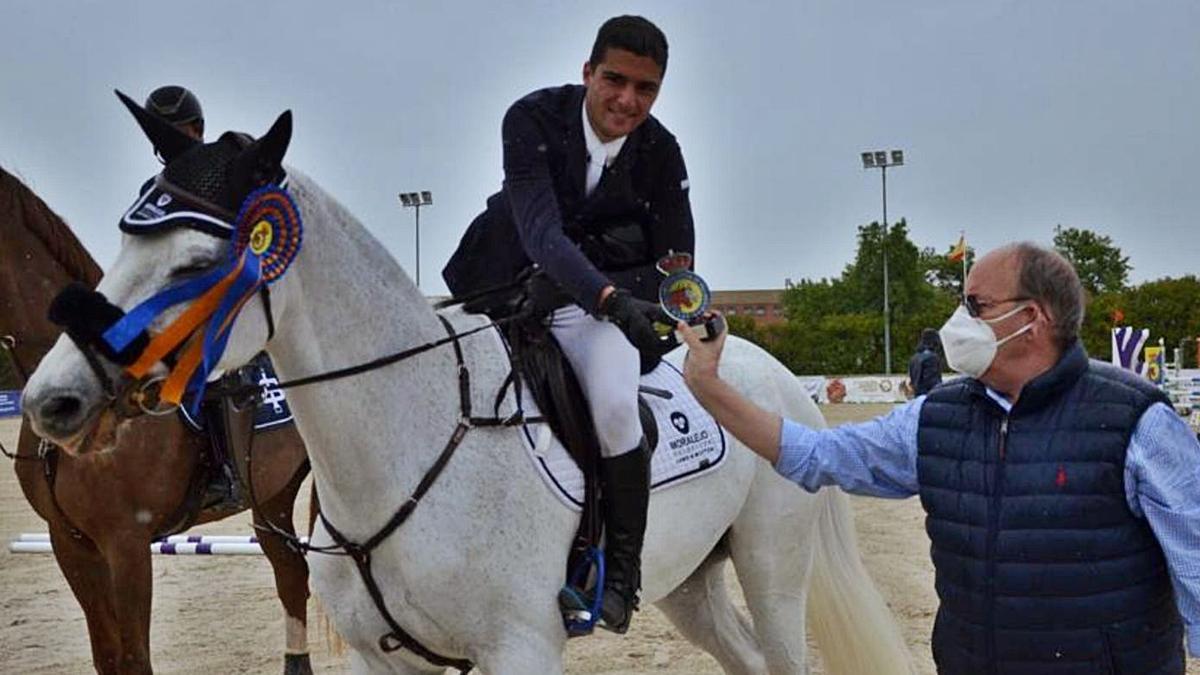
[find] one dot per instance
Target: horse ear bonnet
(198, 190)
(204, 172)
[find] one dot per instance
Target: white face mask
(970, 342)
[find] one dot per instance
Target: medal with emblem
(683, 294)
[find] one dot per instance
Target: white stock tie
(595, 169)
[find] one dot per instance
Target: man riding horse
(595, 191)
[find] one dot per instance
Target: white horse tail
(853, 626)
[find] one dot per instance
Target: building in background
(764, 306)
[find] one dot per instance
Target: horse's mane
(21, 208)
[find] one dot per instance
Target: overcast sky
(1014, 116)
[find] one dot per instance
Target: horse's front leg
(88, 575)
(131, 577)
(291, 577)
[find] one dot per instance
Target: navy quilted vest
(1041, 566)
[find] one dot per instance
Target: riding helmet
(176, 105)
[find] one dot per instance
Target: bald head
(1027, 270)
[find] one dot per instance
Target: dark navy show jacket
(637, 213)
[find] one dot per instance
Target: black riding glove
(636, 318)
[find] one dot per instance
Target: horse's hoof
(297, 664)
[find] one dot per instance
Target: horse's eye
(193, 269)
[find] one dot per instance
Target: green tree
(941, 272)
(746, 327)
(1169, 307)
(1099, 263)
(836, 325)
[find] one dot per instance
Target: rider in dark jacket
(595, 192)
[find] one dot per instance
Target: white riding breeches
(608, 368)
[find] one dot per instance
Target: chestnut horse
(104, 508)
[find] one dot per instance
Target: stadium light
(878, 159)
(416, 200)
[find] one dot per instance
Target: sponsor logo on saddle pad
(272, 410)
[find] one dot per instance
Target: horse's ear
(166, 139)
(275, 142)
(262, 161)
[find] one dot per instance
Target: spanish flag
(959, 251)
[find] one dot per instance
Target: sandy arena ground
(220, 615)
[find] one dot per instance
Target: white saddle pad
(690, 443)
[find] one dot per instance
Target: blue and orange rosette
(267, 236)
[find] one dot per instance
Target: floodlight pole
(880, 160)
(887, 309)
(416, 200)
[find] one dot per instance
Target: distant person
(1062, 494)
(594, 193)
(180, 107)
(925, 366)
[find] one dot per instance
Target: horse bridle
(140, 396)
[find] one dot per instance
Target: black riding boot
(625, 494)
(222, 419)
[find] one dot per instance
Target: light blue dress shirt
(1162, 479)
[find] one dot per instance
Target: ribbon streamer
(266, 240)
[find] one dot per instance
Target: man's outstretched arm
(758, 429)
(876, 458)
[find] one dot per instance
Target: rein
(8, 343)
(47, 452)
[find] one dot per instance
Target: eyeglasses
(975, 306)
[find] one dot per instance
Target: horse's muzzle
(60, 414)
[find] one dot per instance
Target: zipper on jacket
(993, 535)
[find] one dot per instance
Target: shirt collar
(596, 147)
(999, 398)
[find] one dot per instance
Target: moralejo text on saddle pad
(690, 443)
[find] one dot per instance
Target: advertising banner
(10, 403)
(1156, 361)
(1127, 344)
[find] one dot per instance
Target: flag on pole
(959, 252)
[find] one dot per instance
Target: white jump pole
(225, 545)
(173, 539)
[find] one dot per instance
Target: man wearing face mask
(1062, 494)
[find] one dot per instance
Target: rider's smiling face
(621, 89)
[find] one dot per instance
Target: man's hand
(636, 318)
(701, 365)
(758, 429)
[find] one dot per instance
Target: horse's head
(179, 229)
